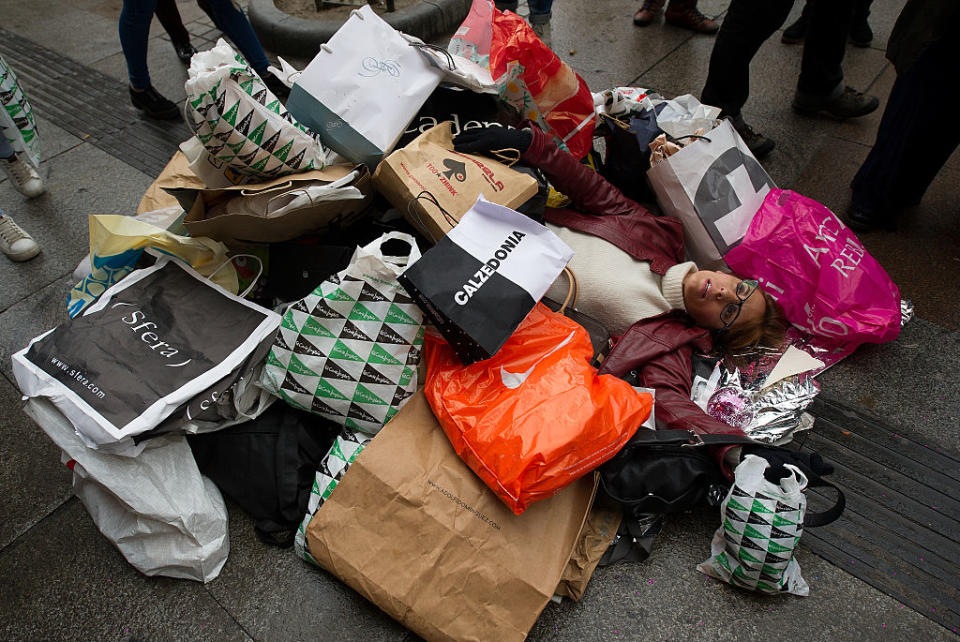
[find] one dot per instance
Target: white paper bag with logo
(714, 186)
(482, 279)
(153, 341)
(349, 350)
(363, 88)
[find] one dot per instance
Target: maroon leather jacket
(659, 348)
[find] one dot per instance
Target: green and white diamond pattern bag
(245, 129)
(349, 350)
(16, 116)
(762, 524)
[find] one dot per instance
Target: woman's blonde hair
(767, 331)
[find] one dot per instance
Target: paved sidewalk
(60, 579)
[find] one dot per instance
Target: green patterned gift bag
(245, 130)
(349, 350)
(762, 524)
(16, 117)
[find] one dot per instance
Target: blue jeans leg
(234, 23)
(6, 149)
(540, 11)
(134, 32)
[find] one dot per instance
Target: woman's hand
(483, 140)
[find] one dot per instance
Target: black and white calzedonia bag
(153, 341)
(482, 279)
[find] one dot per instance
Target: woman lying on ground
(630, 265)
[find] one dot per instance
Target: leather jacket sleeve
(660, 350)
(589, 191)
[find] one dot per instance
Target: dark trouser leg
(747, 25)
(169, 17)
(828, 24)
(912, 143)
(134, 28)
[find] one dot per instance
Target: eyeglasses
(731, 311)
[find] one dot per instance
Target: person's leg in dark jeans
(820, 88)
(169, 17)
(540, 14)
(747, 25)
(134, 29)
(907, 154)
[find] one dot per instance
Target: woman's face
(707, 293)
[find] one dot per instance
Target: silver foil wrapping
(773, 414)
(906, 311)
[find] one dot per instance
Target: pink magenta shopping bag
(814, 266)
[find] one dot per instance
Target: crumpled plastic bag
(165, 517)
(761, 525)
(686, 116)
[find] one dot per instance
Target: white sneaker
(15, 242)
(23, 176)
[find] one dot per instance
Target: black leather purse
(671, 471)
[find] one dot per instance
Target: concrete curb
(288, 35)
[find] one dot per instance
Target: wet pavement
(60, 579)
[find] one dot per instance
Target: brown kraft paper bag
(452, 181)
(595, 538)
(412, 529)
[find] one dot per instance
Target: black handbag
(671, 471)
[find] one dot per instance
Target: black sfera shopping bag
(151, 343)
(482, 279)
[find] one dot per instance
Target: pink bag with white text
(815, 267)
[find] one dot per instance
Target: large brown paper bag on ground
(454, 180)
(412, 529)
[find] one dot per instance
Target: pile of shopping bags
(348, 335)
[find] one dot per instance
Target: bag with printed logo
(152, 342)
(827, 283)
(434, 186)
(479, 282)
(363, 88)
(536, 416)
(714, 186)
(349, 350)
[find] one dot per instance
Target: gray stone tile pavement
(61, 579)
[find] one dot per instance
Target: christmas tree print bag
(761, 525)
(246, 131)
(349, 350)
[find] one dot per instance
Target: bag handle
(829, 515)
(424, 45)
(255, 192)
(509, 156)
(573, 290)
(375, 245)
(615, 121)
(430, 198)
(687, 438)
(253, 283)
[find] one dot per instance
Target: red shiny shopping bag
(536, 416)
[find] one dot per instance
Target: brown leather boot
(648, 12)
(683, 13)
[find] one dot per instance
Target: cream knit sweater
(615, 288)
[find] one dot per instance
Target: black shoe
(861, 35)
(275, 85)
(859, 220)
(796, 32)
(849, 103)
(758, 144)
(184, 52)
(153, 105)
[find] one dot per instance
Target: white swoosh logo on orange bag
(514, 380)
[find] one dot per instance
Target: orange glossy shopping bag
(536, 416)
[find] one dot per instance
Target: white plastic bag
(685, 115)
(244, 128)
(165, 518)
(761, 525)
